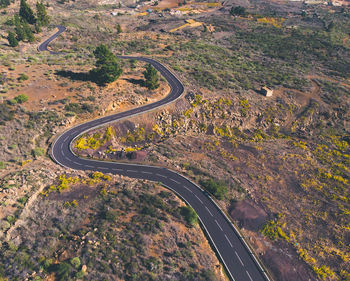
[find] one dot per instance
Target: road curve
(233, 251)
(44, 45)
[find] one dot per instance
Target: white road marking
(199, 199)
(103, 168)
(187, 189)
(118, 169)
(89, 166)
(228, 241)
(218, 224)
(161, 176)
(239, 258)
(77, 163)
(132, 171)
(249, 276)
(143, 172)
(175, 181)
(210, 213)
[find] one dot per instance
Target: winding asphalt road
(44, 45)
(235, 254)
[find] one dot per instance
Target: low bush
(22, 77)
(19, 99)
(38, 151)
(79, 108)
(217, 188)
(189, 215)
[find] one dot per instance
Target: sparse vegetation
(79, 108)
(120, 222)
(286, 156)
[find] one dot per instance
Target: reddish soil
(80, 193)
(280, 257)
(248, 214)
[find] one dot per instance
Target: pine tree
(13, 42)
(20, 33)
(16, 20)
(28, 32)
(107, 68)
(103, 55)
(26, 13)
(151, 76)
(238, 11)
(43, 18)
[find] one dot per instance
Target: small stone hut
(266, 91)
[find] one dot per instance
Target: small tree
(13, 42)
(20, 33)
(238, 11)
(26, 13)
(107, 68)
(43, 18)
(151, 76)
(28, 32)
(103, 55)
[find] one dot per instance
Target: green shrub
(38, 151)
(218, 189)
(22, 77)
(79, 108)
(21, 98)
(189, 215)
(12, 102)
(11, 219)
(238, 11)
(75, 262)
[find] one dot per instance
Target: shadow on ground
(140, 82)
(76, 76)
